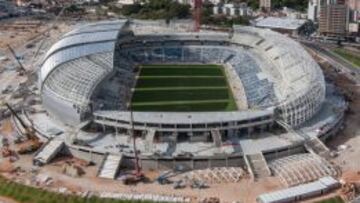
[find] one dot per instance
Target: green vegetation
(157, 9)
(349, 56)
(156, 95)
(183, 106)
(185, 70)
(27, 194)
(182, 88)
(336, 199)
(300, 5)
(181, 82)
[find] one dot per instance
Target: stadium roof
(83, 41)
(280, 23)
(184, 118)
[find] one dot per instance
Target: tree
(157, 9)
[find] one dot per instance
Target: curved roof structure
(83, 41)
(271, 70)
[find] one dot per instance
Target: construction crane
(32, 143)
(22, 70)
(137, 175)
(197, 15)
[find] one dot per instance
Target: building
(7, 9)
(126, 2)
(266, 4)
(192, 2)
(270, 74)
(313, 10)
(334, 19)
(233, 9)
(354, 4)
(283, 25)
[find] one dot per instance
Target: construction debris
(210, 200)
(349, 191)
(43, 180)
(72, 170)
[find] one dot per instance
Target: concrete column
(103, 127)
(250, 130)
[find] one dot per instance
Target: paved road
(336, 61)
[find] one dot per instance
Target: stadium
(251, 98)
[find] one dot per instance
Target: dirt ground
(19, 31)
(244, 191)
(349, 137)
(7, 200)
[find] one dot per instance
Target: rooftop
(281, 23)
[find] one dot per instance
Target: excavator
(32, 142)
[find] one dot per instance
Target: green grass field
(349, 56)
(336, 199)
(182, 88)
(27, 194)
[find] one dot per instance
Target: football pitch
(181, 88)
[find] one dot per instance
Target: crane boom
(29, 130)
(22, 123)
(16, 58)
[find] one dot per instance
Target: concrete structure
(313, 10)
(334, 19)
(266, 4)
(87, 76)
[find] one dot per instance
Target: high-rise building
(354, 4)
(334, 18)
(266, 4)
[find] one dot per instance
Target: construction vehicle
(163, 178)
(32, 142)
(180, 184)
(199, 184)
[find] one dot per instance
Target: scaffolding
(302, 168)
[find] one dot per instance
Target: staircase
(312, 143)
(315, 145)
(48, 152)
(257, 165)
(149, 140)
(110, 166)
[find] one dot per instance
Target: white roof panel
(281, 23)
(73, 53)
(292, 192)
(83, 38)
(89, 39)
